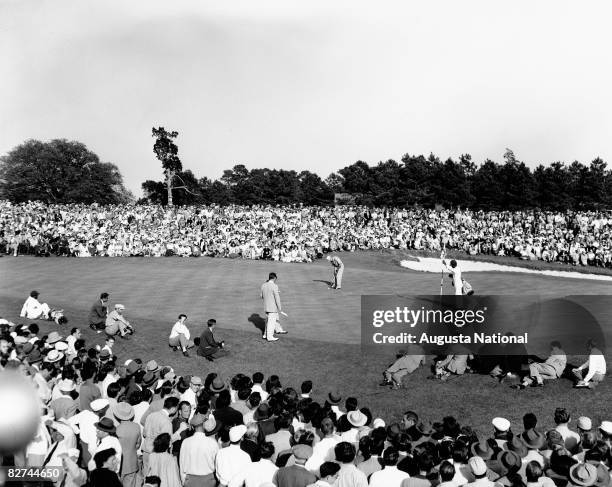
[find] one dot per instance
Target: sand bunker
(429, 264)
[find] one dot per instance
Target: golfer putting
(338, 271)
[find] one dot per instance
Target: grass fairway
(324, 326)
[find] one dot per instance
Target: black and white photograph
(305, 243)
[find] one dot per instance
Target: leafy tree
(167, 152)
(59, 171)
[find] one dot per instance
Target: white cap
(501, 424)
(585, 423)
(378, 423)
(61, 346)
(119, 306)
(98, 404)
(236, 433)
(606, 427)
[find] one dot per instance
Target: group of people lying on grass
(298, 233)
(523, 369)
(127, 421)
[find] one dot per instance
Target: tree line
(62, 171)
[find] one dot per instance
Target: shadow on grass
(329, 283)
(258, 322)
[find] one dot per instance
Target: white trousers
(272, 325)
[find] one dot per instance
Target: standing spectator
(130, 437)
(105, 473)
(163, 464)
(349, 476)
(198, 453)
(107, 439)
(231, 460)
(390, 475)
(262, 469)
(296, 475)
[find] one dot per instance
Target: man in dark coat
(104, 475)
(209, 347)
(98, 312)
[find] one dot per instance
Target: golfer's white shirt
(596, 365)
(180, 328)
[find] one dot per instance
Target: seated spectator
(595, 368)
(405, 363)
(33, 309)
(180, 336)
(116, 323)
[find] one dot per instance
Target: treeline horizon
(63, 171)
(413, 181)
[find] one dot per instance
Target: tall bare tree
(167, 152)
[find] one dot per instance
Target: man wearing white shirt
(190, 395)
(323, 451)
(257, 386)
(180, 337)
(259, 472)
(33, 309)
(198, 453)
(390, 475)
(596, 365)
(106, 439)
(75, 334)
(232, 459)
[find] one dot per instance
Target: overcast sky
(308, 85)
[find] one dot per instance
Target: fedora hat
(54, 356)
(27, 348)
(123, 411)
(105, 354)
(149, 379)
(356, 418)
(334, 397)
(217, 385)
(509, 460)
(517, 445)
(583, 474)
(34, 356)
(424, 427)
(533, 439)
(262, 412)
(132, 367)
(501, 424)
(61, 346)
(152, 366)
(482, 449)
(54, 337)
(603, 476)
(106, 424)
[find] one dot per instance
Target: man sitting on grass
(552, 368)
(406, 363)
(116, 323)
(596, 366)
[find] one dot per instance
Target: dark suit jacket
(294, 476)
(97, 314)
(208, 344)
(103, 477)
(228, 416)
(129, 436)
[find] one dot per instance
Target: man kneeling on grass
(180, 336)
(208, 347)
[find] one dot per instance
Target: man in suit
(129, 437)
(209, 347)
(338, 271)
(296, 475)
(64, 406)
(272, 307)
(98, 312)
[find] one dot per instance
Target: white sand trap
(429, 264)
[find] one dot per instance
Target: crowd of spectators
(126, 421)
(299, 234)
